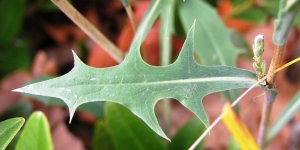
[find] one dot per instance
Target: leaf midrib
(195, 80)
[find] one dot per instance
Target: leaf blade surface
(8, 129)
(138, 86)
(36, 134)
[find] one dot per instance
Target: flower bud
(258, 46)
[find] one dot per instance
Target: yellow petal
(238, 129)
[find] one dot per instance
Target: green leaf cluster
(35, 132)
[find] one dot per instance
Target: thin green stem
(270, 95)
(165, 58)
(167, 107)
(165, 39)
(130, 14)
(285, 19)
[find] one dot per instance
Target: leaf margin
(134, 57)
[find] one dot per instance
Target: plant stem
(238, 100)
(165, 57)
(167, 115)
(275, 63)
(264, 122)
(129, 14)
(89, 29)
(286, 15)
(270, 95)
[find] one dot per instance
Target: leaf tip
(73, 52)
(192, 30)
(164, 136)
(71, 112)
(39, 113)
(76, 58)
(168, 139)
(71, 117)
(17, 90)
(194, 23)
(30, 89)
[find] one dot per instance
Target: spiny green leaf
(8, 129)
(138, 86)
(95, 108)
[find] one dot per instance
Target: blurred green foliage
(15, 44)
(13, 49)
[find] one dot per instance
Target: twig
(264, 122)
(89, 29)
(238, 100)
(222, 115)
(270, 95)
(206, 132)
(275, 63)
(286, 15)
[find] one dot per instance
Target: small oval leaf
(36, 134)
(8, 129)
